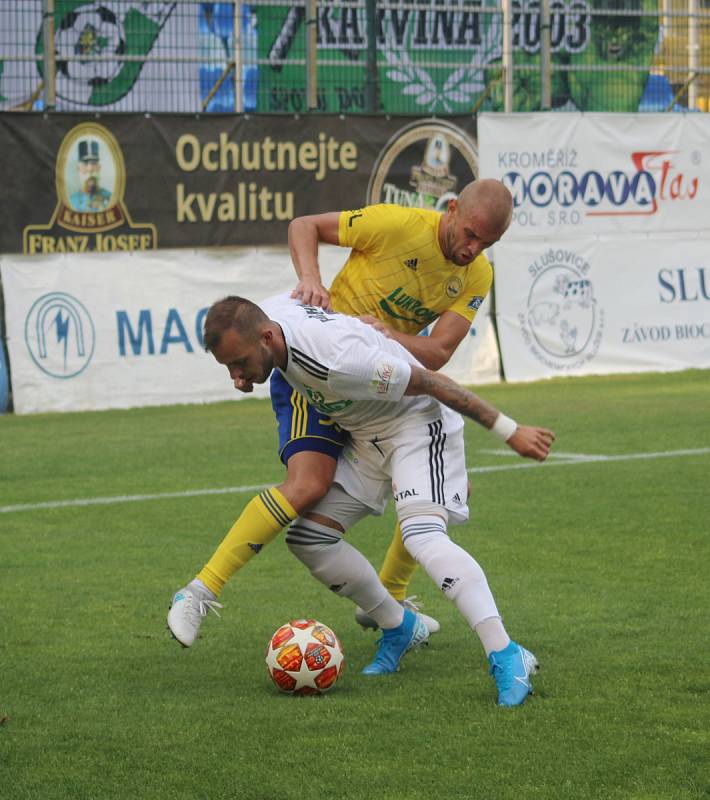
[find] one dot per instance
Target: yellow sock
(398, 567)
(264, 516)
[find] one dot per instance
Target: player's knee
(306, 491)
(309, 476)
(422, 534)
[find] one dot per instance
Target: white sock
(199, 588)
(455, 572)
(389, 614)
(493, 635)
(342, 568)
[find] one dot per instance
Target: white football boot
(366, 621)
(188, 609)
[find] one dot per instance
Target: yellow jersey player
(407, 269)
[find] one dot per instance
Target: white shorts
(421, 463)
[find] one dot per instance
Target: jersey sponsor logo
(400, 300)
(382, 377)
(454, 287)
(352, 218)
(475, 302)
(405, 493)
(411, 263)
(318, 400)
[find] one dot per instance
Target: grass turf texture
(600, 568)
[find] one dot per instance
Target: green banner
(434, 59)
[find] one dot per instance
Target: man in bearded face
(91, 195)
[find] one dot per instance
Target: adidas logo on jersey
(457, 497)
(411, 263)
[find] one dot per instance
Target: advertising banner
(89, 40)
(440, 58)
(432, 57)
(117, 330)
(139, 183)
(603, 304)
(576, 175)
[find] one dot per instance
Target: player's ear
(452, 205)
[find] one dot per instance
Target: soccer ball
(94, 34)
(304, 657)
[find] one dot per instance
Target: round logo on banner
(564, 322)
(59, 334)
(425, 164)
(91, 179)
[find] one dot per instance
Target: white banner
(116, 330)
(603, 304)
(91, 35)
(579, 174)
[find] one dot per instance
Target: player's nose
(474, 250)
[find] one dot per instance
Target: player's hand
(311, 292)
(531, 442)
(377, 324)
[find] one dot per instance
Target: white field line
(569, 460)
(555, 454)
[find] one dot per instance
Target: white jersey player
(408, 447)
(406, 442)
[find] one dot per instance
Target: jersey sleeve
(368, 229)
(370, 374)
(478, 283)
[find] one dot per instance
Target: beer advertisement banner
(117, 330)
(603, 304)
(143, 182)
(575, 175)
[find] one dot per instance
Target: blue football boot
(395, 642)
(512, 669)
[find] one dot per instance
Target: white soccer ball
(87, 41)
(304, 657)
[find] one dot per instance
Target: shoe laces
(412, 603)
(503, 678)
(502, 670)
(197, 607)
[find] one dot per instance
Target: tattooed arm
(528, 441)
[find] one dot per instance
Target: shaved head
(490, 195)
(475, 220)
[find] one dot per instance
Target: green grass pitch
(601, 566)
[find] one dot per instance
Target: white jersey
(348, 370)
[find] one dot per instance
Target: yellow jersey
(397, 272)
